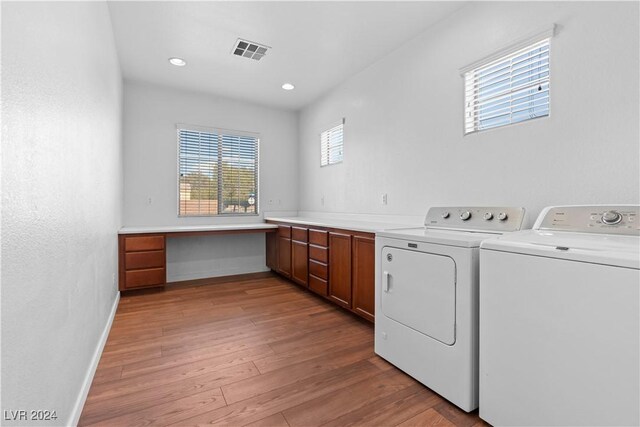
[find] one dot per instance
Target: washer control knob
(465, 215)
(502, 216)
(488, 216)
(611, 217)
(445, 215)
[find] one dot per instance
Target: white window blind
(218, 172)
(511, 89)
(331, 145)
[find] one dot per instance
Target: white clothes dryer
(426, 293)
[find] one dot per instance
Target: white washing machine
(560, 320)
(427, 297)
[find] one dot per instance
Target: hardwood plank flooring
(251, 352)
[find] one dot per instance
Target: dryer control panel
(602, 219)
(483, 219)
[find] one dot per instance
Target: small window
(218, 172)
(511, 89)
(331, 143)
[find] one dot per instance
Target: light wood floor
(258, 352)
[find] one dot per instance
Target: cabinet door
(364, 276)
(272, 250)
(340, 269)
(284, 256)
(299, 260)
(141, 261)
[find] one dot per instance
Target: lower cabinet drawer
(318, 237)
(318, 253)
(140, 260)
(142, 278)
(284, 231)
(143, 243)
(318, 269)
(318, 285)
(299, 234)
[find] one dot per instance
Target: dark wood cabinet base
(337, 264)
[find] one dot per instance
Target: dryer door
(419, 291)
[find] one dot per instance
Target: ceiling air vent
(250, 50)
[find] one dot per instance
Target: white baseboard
(88, 379)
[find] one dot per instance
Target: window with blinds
(511, 89)
(331, 144)
(218, 172)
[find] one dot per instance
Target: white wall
(150, 172)
(61, 198)
(403, 131)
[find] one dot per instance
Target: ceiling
(315, 45)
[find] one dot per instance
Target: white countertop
(191, 228)
(340, 223)
(345, 224)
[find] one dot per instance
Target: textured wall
(61, 198)
(150, 173)
(404, 115)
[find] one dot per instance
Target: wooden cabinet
(146, 259)
(299, 256)
(299, 234)
(318, 259)
(336, 264)
(271, 240)
(142, 257)
(318, 269)
(144, 278)
(142, 261)
(340, 269)
(363, 280)
(318, 237)
(143, 243)
(319, 253)
(319, 286)
(284, 256)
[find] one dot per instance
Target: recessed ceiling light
(288, 86)
(178, 62)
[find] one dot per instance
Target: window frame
(220, 132)
(341, 123)
(496, 56)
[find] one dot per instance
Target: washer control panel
(605, 219)
(498, 219)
